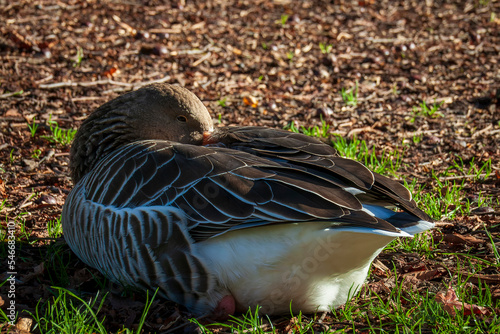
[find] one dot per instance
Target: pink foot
(225, 307)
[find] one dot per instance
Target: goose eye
(182, 119)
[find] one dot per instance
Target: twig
(443, 224)
(136, 85)
(7, 95)
(460, 177)
(389, 40)
(101, 82)
(47, 78)
(82, 84)
(25, 202)
(480, 132)
(419, 132)
(366, 128)
(87, 98)
(202, 59)
(47, 156)
(165, 31)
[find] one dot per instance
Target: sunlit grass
(350, 96)
(67, 313)
(60, 136)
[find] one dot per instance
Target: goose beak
(207, 138)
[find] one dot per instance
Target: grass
(451, 184)
(79, 57)
(284, 19)
(23, 233)
(423, 244)
(494, 247)
(36, 153)
(253, 322)
(33, 127)
(322, 131)
(350, 96)
(67, 313)
(222, 102)
(54, 228)
(60, 136)
(325, 48)
(57, 262)
(425, 111)
(12, 158)
(383, 162)
(250, 320)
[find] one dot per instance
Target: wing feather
(250, 177)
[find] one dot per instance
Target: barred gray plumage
(220, 220)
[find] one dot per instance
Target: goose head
(154, 112)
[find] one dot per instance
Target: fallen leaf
(24, 324)
(111, 72)
(489, 279)
(451, 304)
(3, 193)
(343, 35)
(495, 292)
(426, 275)
(462, 239)
(21, 41)
(366, 3)
(251, 101)
(37, 271)
(12, 113)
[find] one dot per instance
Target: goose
(220, 220)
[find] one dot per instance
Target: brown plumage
(162, 200)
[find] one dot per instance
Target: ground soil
(252, 63)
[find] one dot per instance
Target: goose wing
(223, 188)
(322, 160)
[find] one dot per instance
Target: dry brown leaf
(462, 239)
(251, 101)
(489, 279)
(426, 275)
(21, 41)
(24, 324)
(292, 326)
(495, 292)
(3, 193)
(236, 51)
(452, 304)
(12, 113)
(37, 271)
(111, 72)
(366, 3)
(410, 283)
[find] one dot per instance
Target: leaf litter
(274, 63)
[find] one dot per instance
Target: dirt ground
(252, 63)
